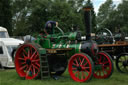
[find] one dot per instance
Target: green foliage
(103, 14)
(22, 17)
(56, 10)
(6, 15)
(122, 14)
(20, 11)
(112, 17)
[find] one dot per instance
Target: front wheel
(81, 67)
(103, 66)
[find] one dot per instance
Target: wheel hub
(28, 62)
(79, 68)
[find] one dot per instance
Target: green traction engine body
(50, 55)
(68, 41)
(61, 47)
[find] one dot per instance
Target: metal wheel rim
(27, 61)
(80, 76)
(106, 68)
(120, 63)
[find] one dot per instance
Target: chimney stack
(88, 20)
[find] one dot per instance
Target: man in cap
(49, 27)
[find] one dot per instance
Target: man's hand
(56, 24)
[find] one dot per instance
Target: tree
(104, 13)
(113, 18)
(6, 15)
(122, 16)
(21, 10)
(77, 5)
(93, 14)
(30, 16)
(55, 10)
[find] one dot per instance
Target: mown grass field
(10, 77)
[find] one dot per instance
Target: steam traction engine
(116, 46)
(49, 55)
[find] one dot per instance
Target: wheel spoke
(21, 58)
(23, 63)
(27, 73)
(24, 55)
(78, 74)
(74, 69)
(29, 53)
(85, 64)
(24, 51)
(35, 66)
(82, 61)
(76, 62)
(82, 76)
(84, 68)
(122, 66)
(86, 71)
(33, 54)
(37, 60)
(34, 70)
(22, 67)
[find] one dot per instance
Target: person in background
(49, 26)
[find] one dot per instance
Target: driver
(49, 26)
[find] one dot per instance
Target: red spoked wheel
(104, 66)
(27, 61)
(80, 67)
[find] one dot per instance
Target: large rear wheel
(104, 66)
(80, 67)
(27, 61)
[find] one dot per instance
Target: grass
(10, 77)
